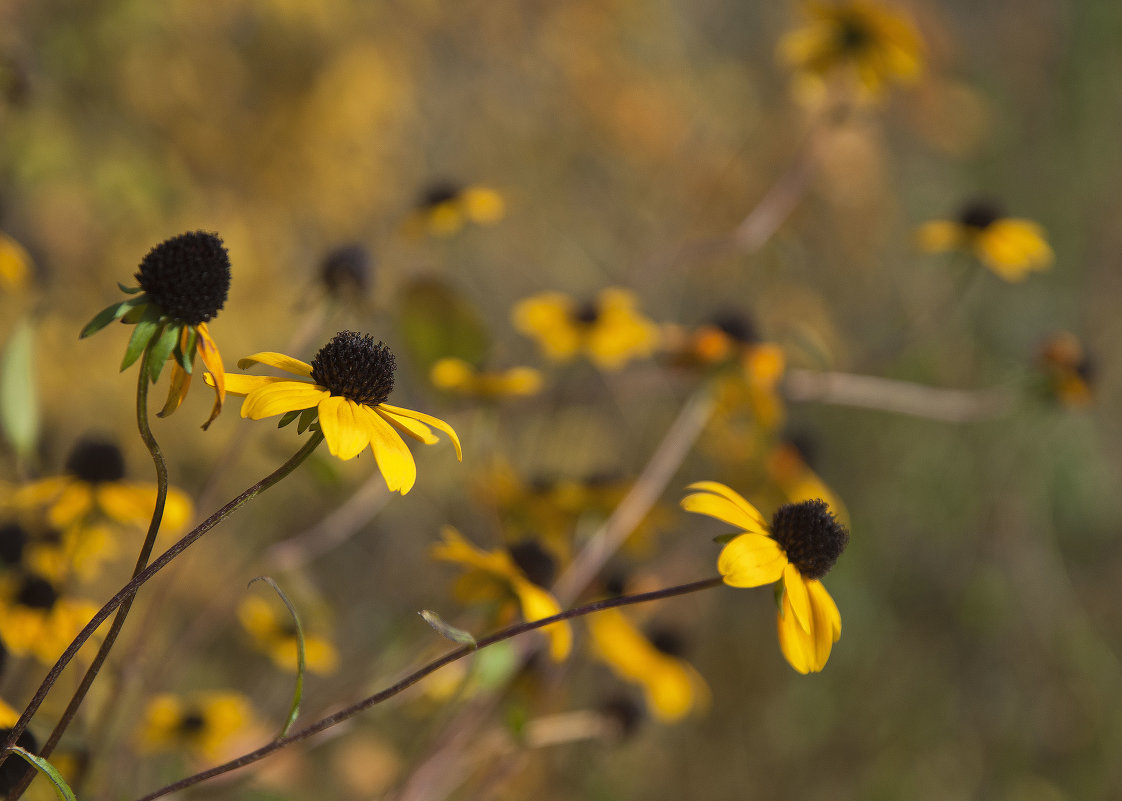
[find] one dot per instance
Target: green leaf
(307, 417)
(186, 355)
(287, 418)
(19, 401)
(298, 693)
(144, 331)
(62, 789)
(161, 351)
(447, 630)
(129, 290)
(111, 313)
(721, 539)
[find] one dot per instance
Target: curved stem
(422, 672)
(126, 592)
(141, 562)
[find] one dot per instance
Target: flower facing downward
(183, 283)
(344, 390)
(800, 546)
(1010, 247)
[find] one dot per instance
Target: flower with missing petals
(343, 391)
(800, 546)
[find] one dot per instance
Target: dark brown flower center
(980, 214)
(187, 276)
(96, 461)
(438, 193)
(535, 562)
(353, 366)
(810, 535)
(37, 593)
(346, 269)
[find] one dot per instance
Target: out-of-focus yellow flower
(502, 575)
(800, 546)
(1068, 370)
(350, 379)
(8, 716)
(36, 619)
(859, 42)
(80, 550)
(461, 377)
(671, 686)
(1010, 247)
(445, 208)
(203, 724)
(610, 332)
(15, 265)
(787, 467)
(273, 632)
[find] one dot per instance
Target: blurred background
(623, 144)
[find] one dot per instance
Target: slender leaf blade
(301, 664)
(62, 789)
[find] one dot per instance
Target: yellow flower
(1011, 247)
(89, 495)
(462, 378)
(500, 574)
(15, 265)
(1067, 369)
(671, 686)
(445, 208)
(610, 332)
(35, 619)
(794, 552)
(273, 633)
(203, 724)
(350, 379)
(857, 41)
(183, 282)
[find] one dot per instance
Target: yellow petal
(939, 236)
(413, 428)
(345, 427)
(245, 384)
(756, 520)
(795, 643)
(538, 603)
(278, 360)
(547, 318)
(751, 560)
(808, 650)
(208, 351)
(72, 504)
(131, 503)
(723, 509)
(280, 397)
(393, 456)
(427, 419)
(794, 586)
(177, 389)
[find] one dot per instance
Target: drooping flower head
(1010, 247)
(36, 618)
(444, 207)
(343, 393)
(182, 284)
(800, 546)
(857, 42)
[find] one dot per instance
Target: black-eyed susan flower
(445, 208)
(273, 632)
(610, 331)
(1068, 370)
(671, 686)
(344, 391)
(520, 573)
(800, 546)
(183, 283)
(36, 618)
(204, 724)
(15, 265)
(858, 42)
(1009, 246)
(463, 378)
(91, 497)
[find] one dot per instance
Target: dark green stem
(141, 562)
(417, 675)
(129, 590)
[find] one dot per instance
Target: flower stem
(141, 562)
(129, 590)
(422, 672)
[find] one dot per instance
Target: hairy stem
(127, 592)
(414, 677)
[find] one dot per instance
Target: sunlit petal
(716, 488)
(413, 428)
(345, 427)
(392, 454)
(795, 589)
(278, 360)
(280, 397)
(427, 419)
(751, 560)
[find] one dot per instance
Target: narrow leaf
(62, 789)
(185, 353)
(721, 539)
(161, 350)
(110, 313)
(144, 331)
(129, 290)
(298, 693)
(447, 630)
(19, 401)
(288, 417)
(307, 417)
